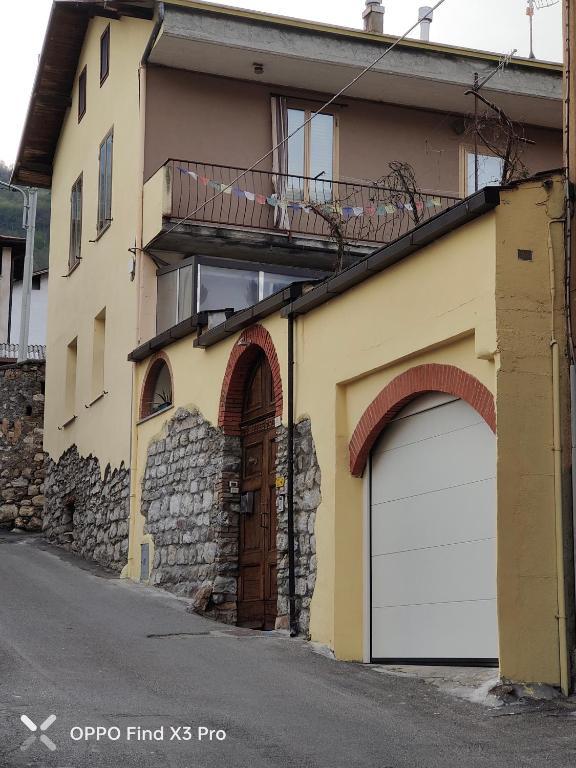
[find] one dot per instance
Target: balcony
(272, 217)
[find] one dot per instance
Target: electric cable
(427, 16)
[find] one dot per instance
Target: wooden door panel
(257, 588)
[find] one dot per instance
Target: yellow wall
(102, 279)
(468, 301)
(527, 568)
(432, 307)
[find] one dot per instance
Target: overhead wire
(302, 126)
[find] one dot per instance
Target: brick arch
(408, 386)
(239, 366)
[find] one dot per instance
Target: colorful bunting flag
(348, 211)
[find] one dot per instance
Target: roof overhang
(227, 43)
(51, 94)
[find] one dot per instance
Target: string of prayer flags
(348, 211)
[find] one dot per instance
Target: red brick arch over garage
(406, 387)
(240, 364)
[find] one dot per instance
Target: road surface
(96, 651)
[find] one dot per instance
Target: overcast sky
(495, 25)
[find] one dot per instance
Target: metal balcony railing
(262, 200)
(10, 352)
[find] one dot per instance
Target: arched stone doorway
(257, 548)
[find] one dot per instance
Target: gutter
(155, 33)
(469, 209)
(247, 317)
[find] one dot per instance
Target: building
(12, 250)
(210, 376)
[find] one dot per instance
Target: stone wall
(21, 445)
(86, 512)
(307, 498)
(192, 516)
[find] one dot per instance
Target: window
(175, 290)
(157, 392)
(105, 55)
(226, 288)
(71, 367)
(204, 284)
(75, 224)
(105, 183)
(311, 154)
(82, 93)
(36, 282)
(490, 170)
(98, 354)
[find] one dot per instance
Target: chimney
(374, 17)
(425, 19)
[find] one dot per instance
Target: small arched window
(157, 393)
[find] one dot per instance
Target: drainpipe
(133, 555)
(291, 552)
(558, 501)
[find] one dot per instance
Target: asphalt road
(97, 651)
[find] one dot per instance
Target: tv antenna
(534, 5)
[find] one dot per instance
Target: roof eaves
(350, 32)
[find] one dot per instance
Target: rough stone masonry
(87, 511)
(193, 518)
(22, 459)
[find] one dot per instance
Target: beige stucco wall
(466, 300)
(102, 279)
(527, 565)
(432, 307)
(197, 117)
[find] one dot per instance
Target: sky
(494, 25)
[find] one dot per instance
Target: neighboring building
(173, 466)
(12, 251)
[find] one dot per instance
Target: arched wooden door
(257, 585)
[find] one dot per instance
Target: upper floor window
(311, 156)
(105, 183)
(490, 169)
(82, 93)
(105, 54)
(75, 223)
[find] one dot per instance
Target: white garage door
(433, 536)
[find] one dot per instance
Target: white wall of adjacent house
(38, 311)
(5, 267)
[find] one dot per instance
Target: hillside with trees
(11, 217)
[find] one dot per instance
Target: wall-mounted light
(258, 68)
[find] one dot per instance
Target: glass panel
(185, 308)
(274, 283)
(167, 301)
(102, 187)
(108, 208)
(321, 157)
(221, 288)
(162, 396)
(489, 171)
(295, 187)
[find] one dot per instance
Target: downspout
(11, 292)
(570, 171)
(558, 501)
(138, 256)
(291, 553)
